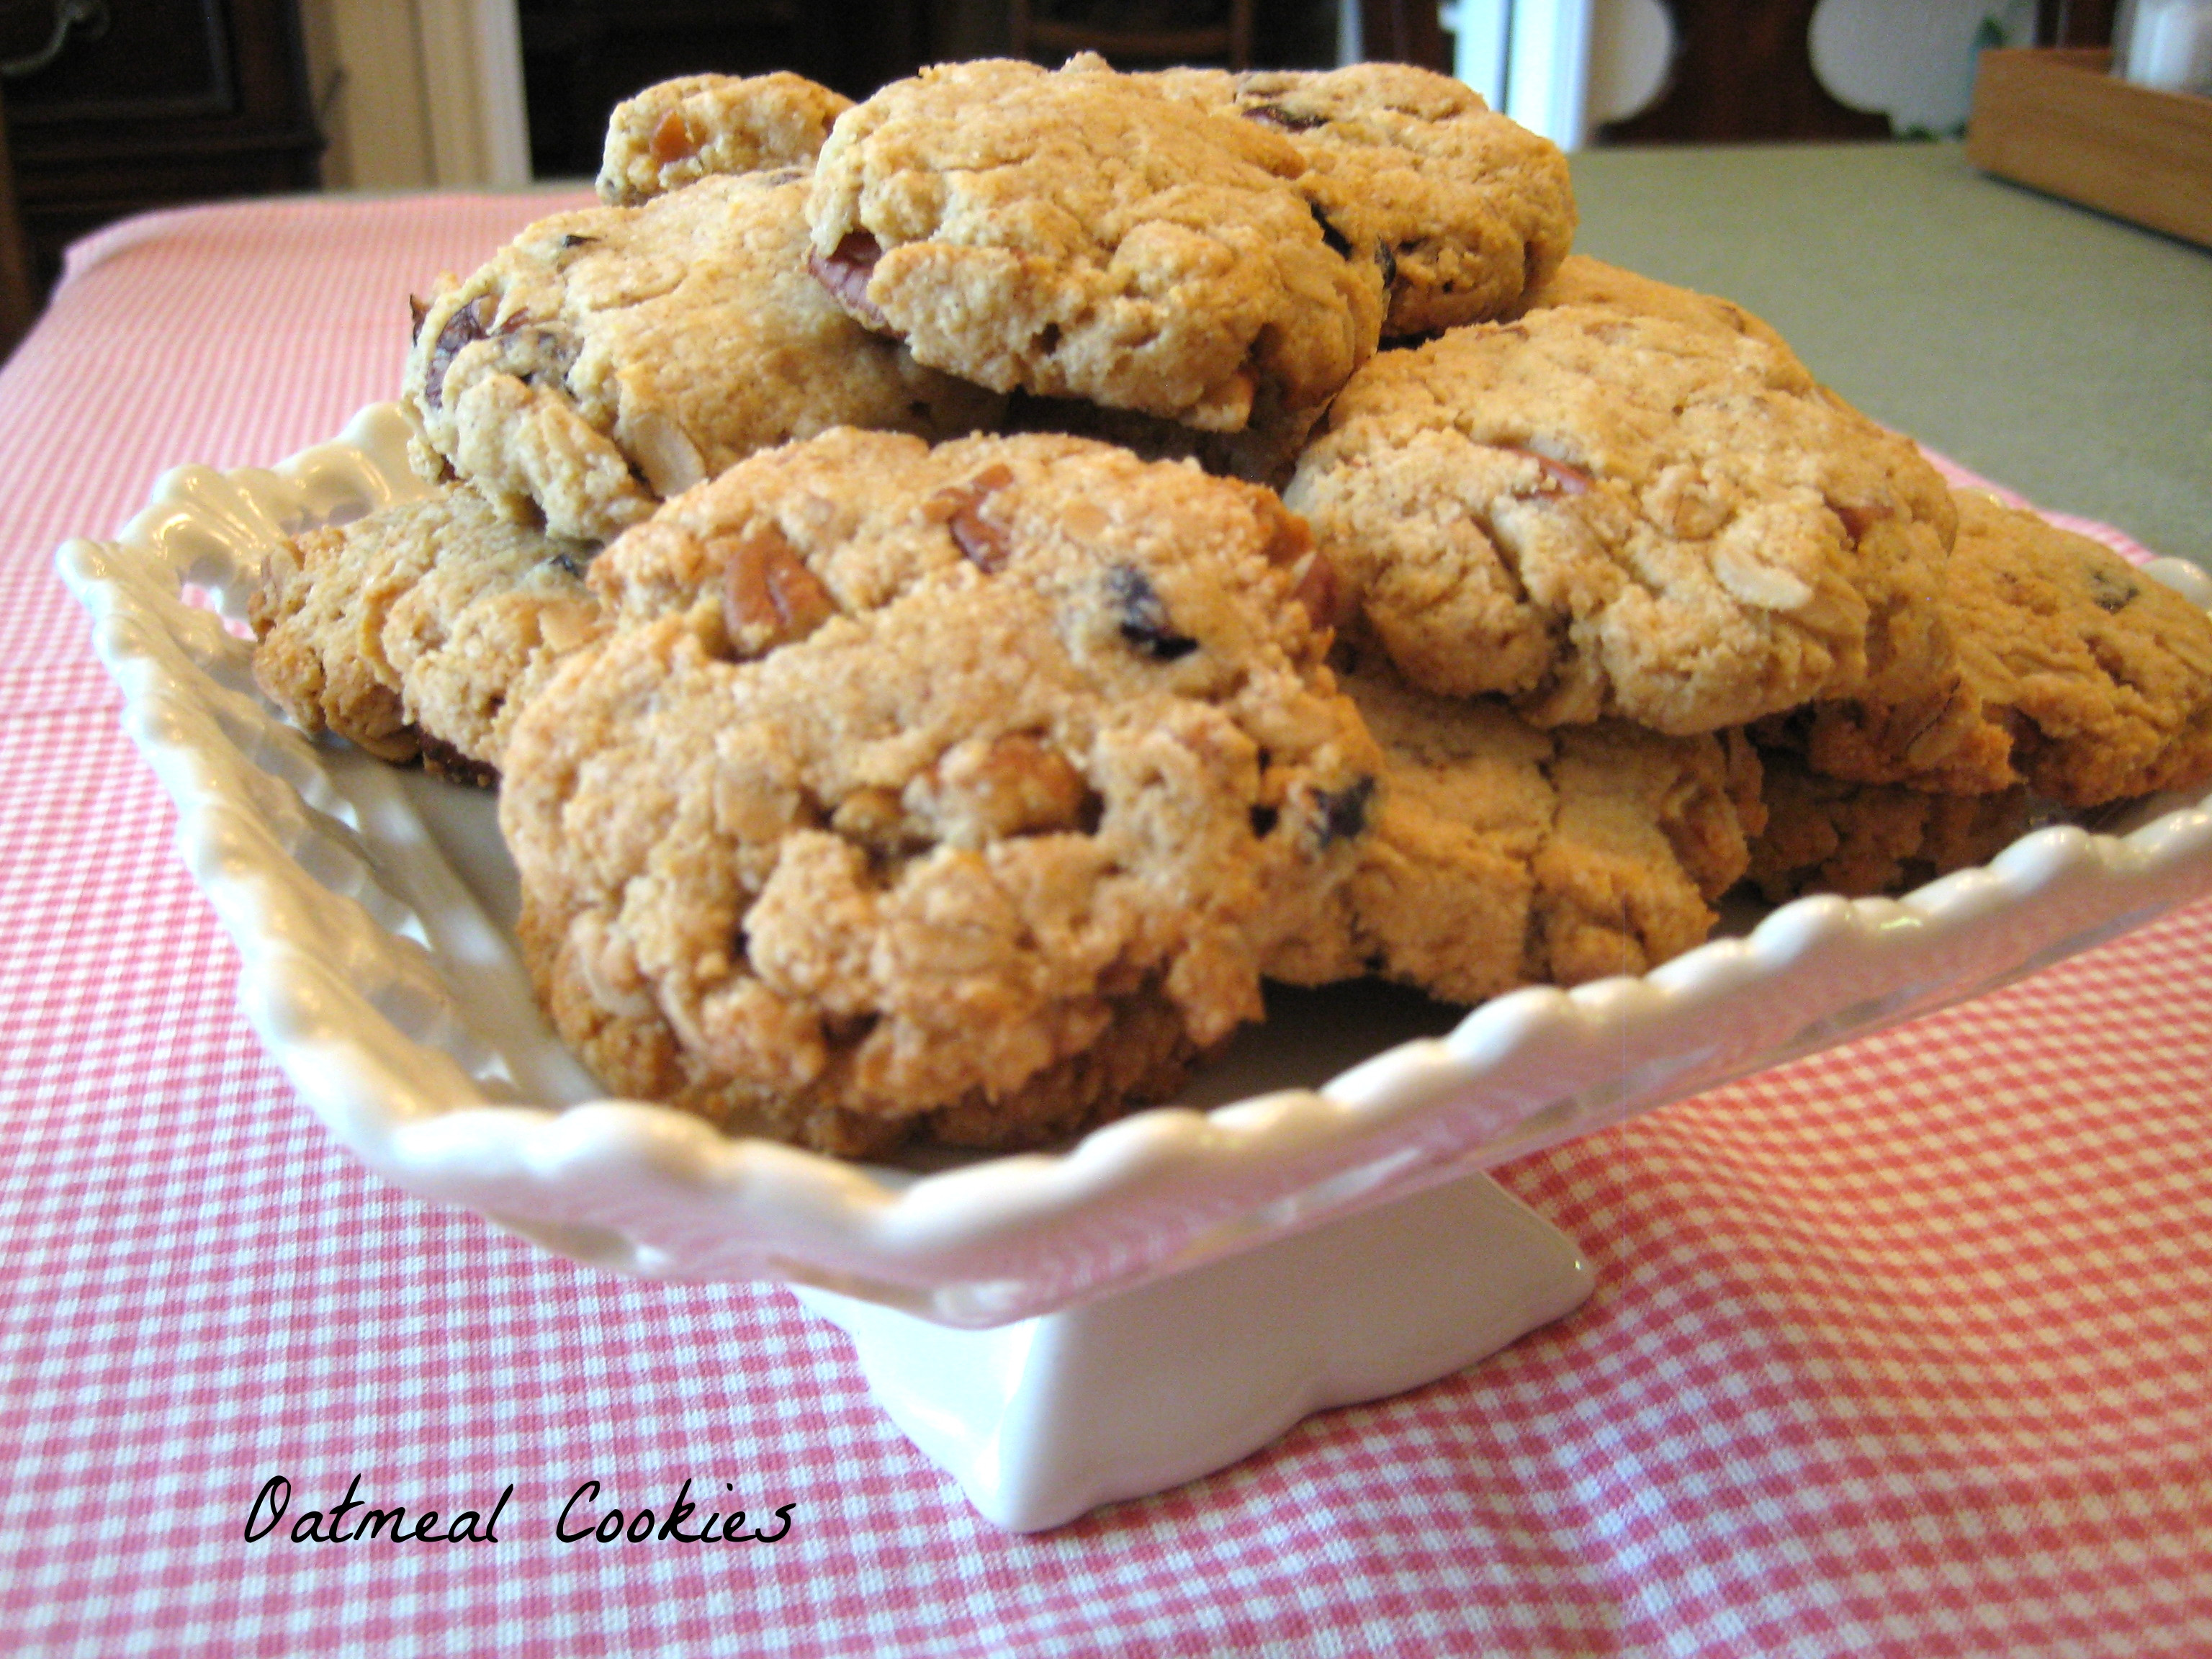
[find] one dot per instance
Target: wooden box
(2055, 119)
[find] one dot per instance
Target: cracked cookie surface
(611, 357)
(1079, 233)
(420, 630)
(1597, 512)
(958, 810)
(1465, 209)
(676, 132)
(2079, 674)
(1502, 854)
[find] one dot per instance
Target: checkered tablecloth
(1905, 1348)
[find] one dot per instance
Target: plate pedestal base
(1143, 1389)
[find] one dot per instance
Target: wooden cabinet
(168, 101)
(1742, 71)
(580, 57)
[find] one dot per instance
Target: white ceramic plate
(373, 908)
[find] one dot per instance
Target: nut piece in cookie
(1463, 208)
(420, 630)
(1079, 233)
(1597, 512)
(611, 357)
(676, 132)
(2078, 674)
(959, 809)
(1824, 834)
(1501, 854)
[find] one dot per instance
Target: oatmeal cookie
(1824, 834)
(677, 132)
(958, 810)
(1582, 281)
(2079, 674)
(1600, 512)
(611, 357)
(1501, 854)
(1268, 452)
(1468, 208)
(420, 630)
(1078, 234)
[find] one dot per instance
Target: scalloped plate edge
(649, 1190)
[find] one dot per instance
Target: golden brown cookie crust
(676, 132)
(886, 815)
(1580, 280)
(1824, 834)
(1076, 234)
(419, 629)
(2079, 674)
(480, 630)
(1466, 209)
(611, 357)
(1600, 512)
(1502, 854)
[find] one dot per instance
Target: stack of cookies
(955, 590)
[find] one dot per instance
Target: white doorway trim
(414, 92)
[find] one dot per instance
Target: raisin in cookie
(611, 357)
(1598, 513)
(420, 630)
(1076, 234)
(2079, 674)
(1502, 854)
(957, 809)
(1824, 834)
(1465, 209)
(677, 132)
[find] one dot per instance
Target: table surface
(2063, 351)
(1900, 1348)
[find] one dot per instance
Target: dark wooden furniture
(173, 101)
(19, 302)
(1743, 72)
(581, 58)
(1134, 32)
(2074, 23)
(1743, 69)
(1141, 34)
(1405, 32)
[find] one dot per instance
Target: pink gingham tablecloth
(1905, 1348)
